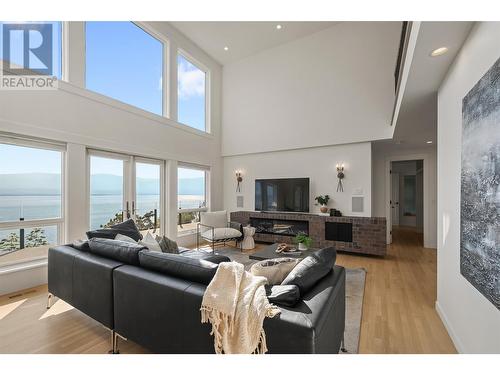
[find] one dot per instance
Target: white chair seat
(221, 234)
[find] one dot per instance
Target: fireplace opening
(280, 227)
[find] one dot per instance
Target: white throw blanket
(236, 304)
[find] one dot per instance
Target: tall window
(34, 32)
(191, 94)
(191, 197)
(31, 214)
(125, 63)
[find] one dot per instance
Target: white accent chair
(215, 229)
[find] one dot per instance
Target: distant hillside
(102, 184)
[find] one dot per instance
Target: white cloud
(191, 81)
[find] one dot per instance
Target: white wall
(382, 155)
(316, 163)
(472, 321)
(84, 119)
(332, 87)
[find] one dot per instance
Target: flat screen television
(282, 194)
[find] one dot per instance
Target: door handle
(127, 211)
(133, 207)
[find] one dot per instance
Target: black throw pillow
(127, 228)
(285, 295)
(123, 251)
(197, 270)
(311, 269)
(81, 245)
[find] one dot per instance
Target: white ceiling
(417, 121)
(244, 38)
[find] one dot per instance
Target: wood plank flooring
(398, 310)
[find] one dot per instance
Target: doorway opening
(407, 200)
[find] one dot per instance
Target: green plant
(304, 239)
(322, 199)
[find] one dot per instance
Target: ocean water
(102, 209)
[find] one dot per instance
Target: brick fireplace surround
(368, 233)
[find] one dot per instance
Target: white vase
(302, 246)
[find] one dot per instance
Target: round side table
(248, 242)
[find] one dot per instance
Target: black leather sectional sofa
(154, 305)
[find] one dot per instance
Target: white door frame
(388, 184)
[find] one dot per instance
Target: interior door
(147, 194)
(395, 199)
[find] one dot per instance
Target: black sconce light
(239, 179)
(340, 176)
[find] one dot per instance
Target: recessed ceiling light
(226, 48)
(278, 27)
(439, 51)
(429, 142)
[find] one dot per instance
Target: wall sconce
(340, 176)
(239, 179)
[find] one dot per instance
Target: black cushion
(311, 269)
(286, 295)
(81, 245)
(214, 258)
(197, 270)
(127, 228)
(123, 251)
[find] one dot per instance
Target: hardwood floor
(398, 310)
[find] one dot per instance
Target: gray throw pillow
(311, 269)
(167, 245)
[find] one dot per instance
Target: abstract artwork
(480, 186)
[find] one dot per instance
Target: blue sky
(28, 160)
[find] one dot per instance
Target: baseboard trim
(456, 341)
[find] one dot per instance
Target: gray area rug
(355, 290)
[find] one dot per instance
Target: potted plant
(323, 201)
(303, 240)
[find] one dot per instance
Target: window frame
(186, 55)
(59, 222)
(165, 70)
(205, 169)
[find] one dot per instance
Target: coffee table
(269, 252)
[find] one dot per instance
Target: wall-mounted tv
(282, 194)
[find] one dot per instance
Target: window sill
(106, 100)
(23, 265)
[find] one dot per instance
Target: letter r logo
(27, 47)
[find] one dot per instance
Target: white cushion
(122, 237)
(274, 270)
(216, 219)
(150, 242)
(221, 234)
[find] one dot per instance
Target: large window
(191, 94)
(116, 196)
(191, 197)
(32, 33)
(31, 213)
(125, 63)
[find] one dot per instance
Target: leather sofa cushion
(286, 295)
(197, 270)
(126, 252)
(127, 228)
(311, 269)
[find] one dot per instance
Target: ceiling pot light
(226, 48)
(439, 51)
(278, 27)
(428, 142)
